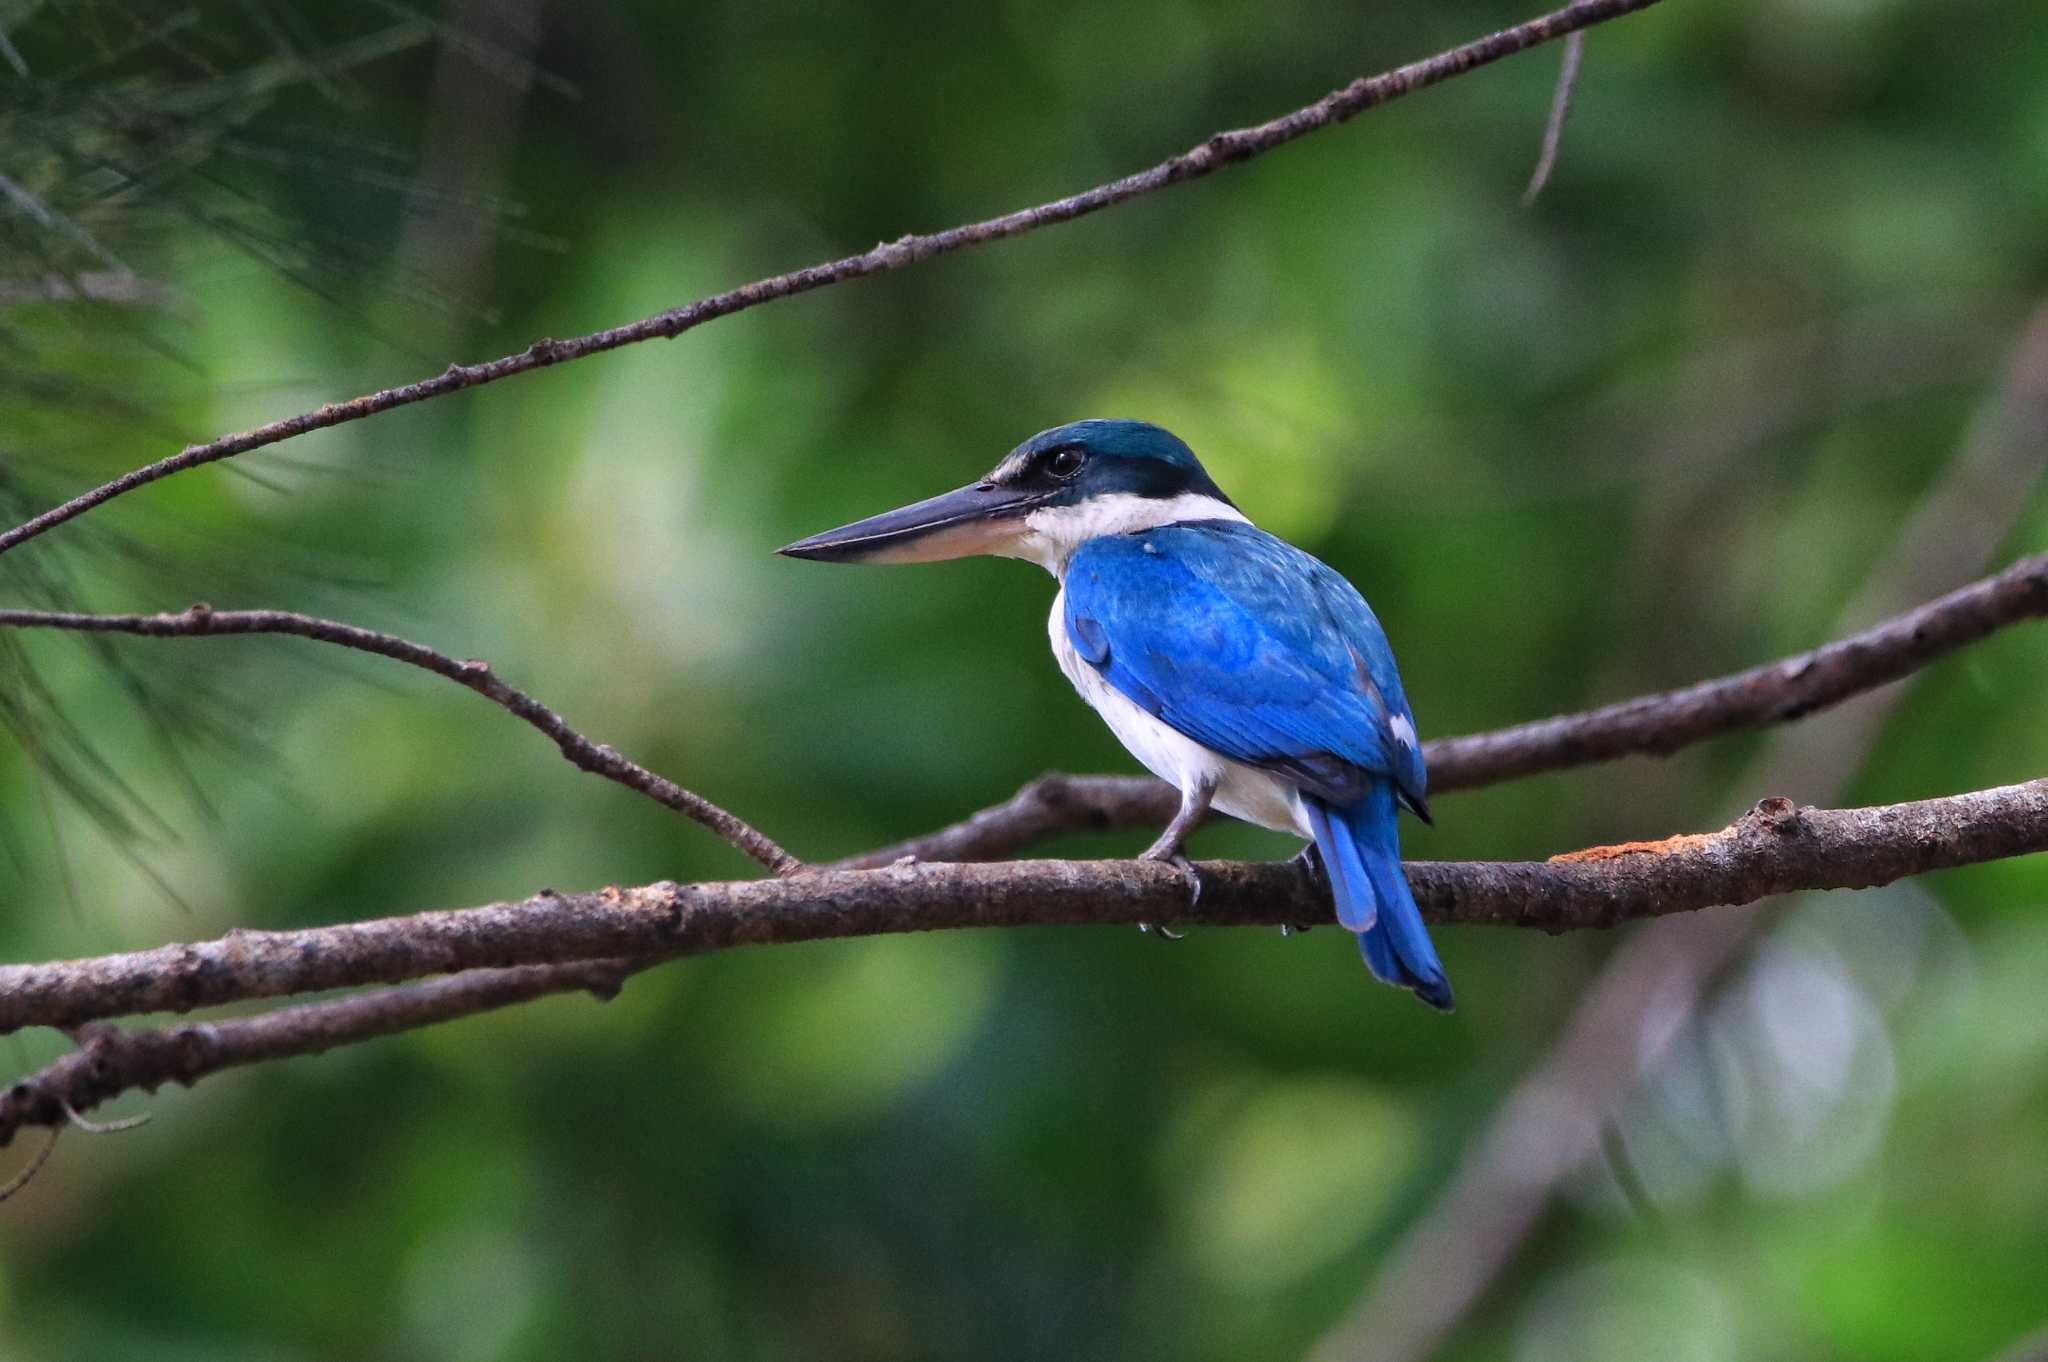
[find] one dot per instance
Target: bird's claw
(1188, 872)
(1310, 862)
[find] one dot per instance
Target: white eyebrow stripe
(1009, 468)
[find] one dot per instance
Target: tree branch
(117, 287)
(1777, 847)
(1627, 1016)
(1776, 692)
(110, 1061)
(1044, 808)
(1221, 150)
(203, 621)
(1560, 109)
(542, 955)
(2032, 1348)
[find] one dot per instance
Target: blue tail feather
(1361, 850)
(1357, 905)
(1378, 951)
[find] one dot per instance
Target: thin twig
(1775, 692)
(2032, 1348)
(202, 621)
(1044, 808)
(12, 55)
(95, 286)
(1560, 109)
(35, 1165)
(1777, 847)
(1222, 150)
(135, 1122)
(111, 1061)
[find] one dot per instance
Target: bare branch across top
(1213, 154)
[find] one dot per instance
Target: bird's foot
(1310, 863)
(1186, 867)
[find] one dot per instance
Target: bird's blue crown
(1103, 457)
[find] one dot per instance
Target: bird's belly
(1241, 791)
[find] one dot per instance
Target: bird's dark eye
(1065, 463)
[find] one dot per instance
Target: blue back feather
(1249, 646)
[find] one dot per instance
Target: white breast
(1241, 791)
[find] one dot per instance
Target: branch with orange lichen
(508, 952)
(1676, 845)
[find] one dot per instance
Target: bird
(1235, 666)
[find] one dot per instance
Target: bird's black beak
(982, 518)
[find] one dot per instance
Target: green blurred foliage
(1661, 425)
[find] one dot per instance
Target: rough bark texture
(110, 1061)
(594, 941)
(1777, 847)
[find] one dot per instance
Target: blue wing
(1251, 647)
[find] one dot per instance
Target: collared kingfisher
(1236, 667)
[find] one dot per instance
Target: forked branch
(203, 621)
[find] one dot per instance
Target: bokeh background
(1765, 360)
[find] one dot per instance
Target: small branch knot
(92, 1035)
(198, 1052)
(1778, 814)
(1051, 789)
(1229, 146)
